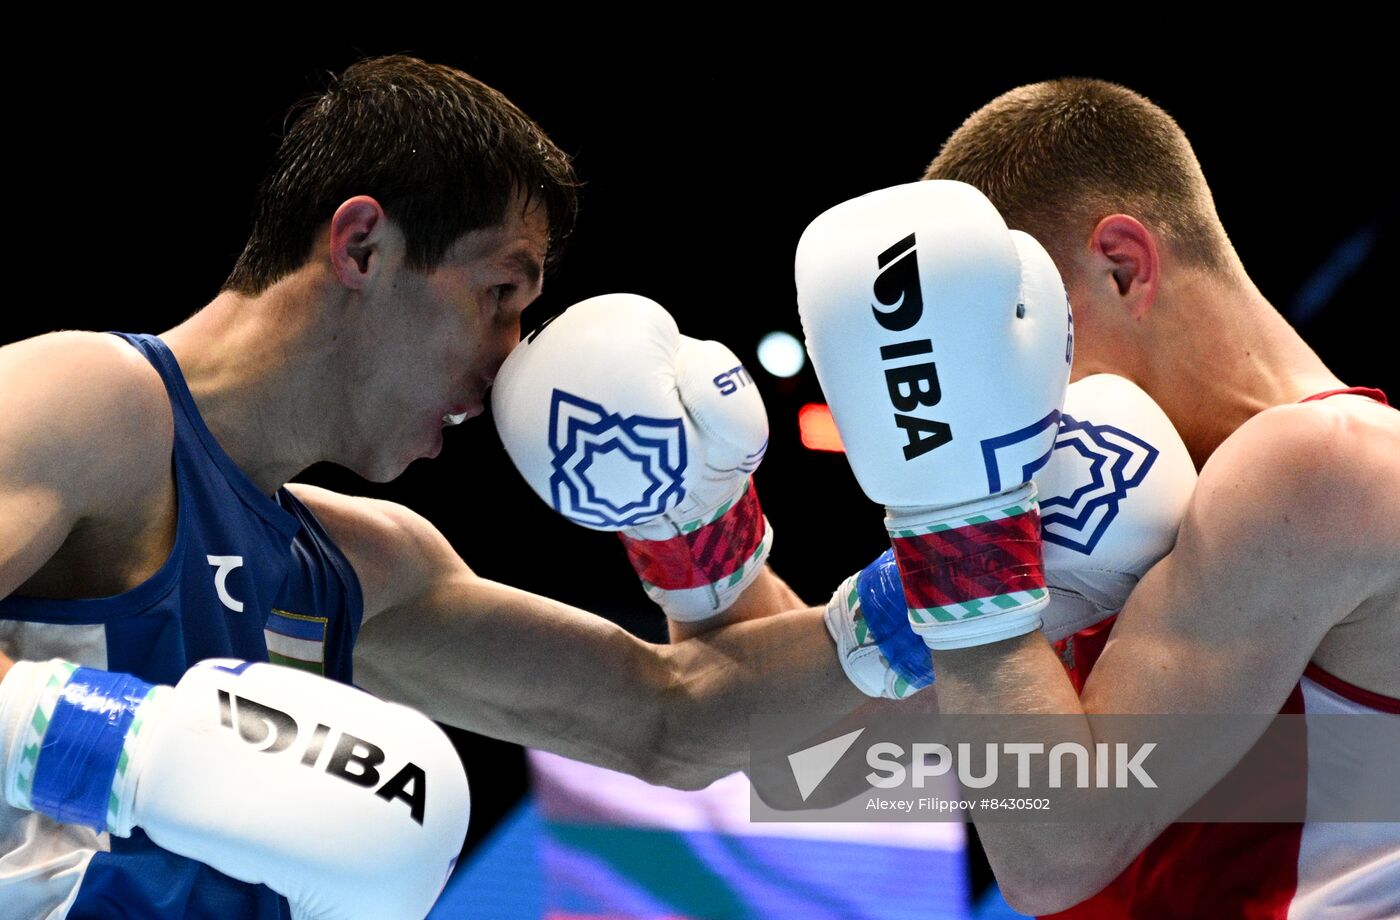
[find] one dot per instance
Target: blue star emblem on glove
(1113, 462)
(611, 471)
(1016, 457)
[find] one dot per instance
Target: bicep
(396, 553)
(1193, 642)
(1263, 567)
(36, 511)
(34, 522)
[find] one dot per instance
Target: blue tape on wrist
(78, 757)
(887, 616)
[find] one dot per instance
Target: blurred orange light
(818, 428)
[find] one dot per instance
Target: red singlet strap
(1368, 392)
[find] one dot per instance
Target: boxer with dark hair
(155, 561)
(145, 527)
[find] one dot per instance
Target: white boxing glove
(1112, 496)
(350, 807)
(942, 342)
(1111, 499)
(621, 423)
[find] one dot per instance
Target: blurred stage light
(781, 354)
(818, 429)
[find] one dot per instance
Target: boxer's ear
(1125, 252)
(358, 231)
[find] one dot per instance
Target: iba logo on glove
(910, 386)
(352, 759)
(611, 471)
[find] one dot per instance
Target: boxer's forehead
(518, 244)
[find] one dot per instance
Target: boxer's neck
(1220, 354)
(258, 368)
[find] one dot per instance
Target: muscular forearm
(1160, 662)
(1045, 868)
(1042, 868)
(493, 659)
(779, 664)
(768, 595)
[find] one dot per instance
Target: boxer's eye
(503, 292)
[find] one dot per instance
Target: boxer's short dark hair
(442, 152)
(1058, 156)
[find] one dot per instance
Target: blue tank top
(249, 576)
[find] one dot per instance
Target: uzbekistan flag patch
(296, 641)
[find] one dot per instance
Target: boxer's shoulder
(1315, 481)
(1357, 441)
(91, 414)
(1330, 449)
(394, 551)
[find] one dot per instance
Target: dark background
(702, 163)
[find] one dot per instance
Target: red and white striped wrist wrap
(972, 573)
(701, 570)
